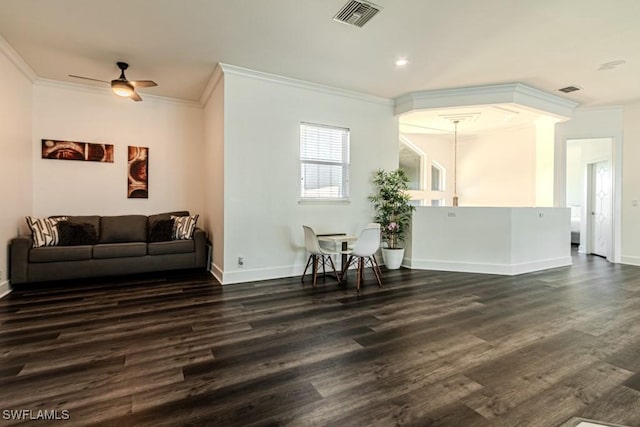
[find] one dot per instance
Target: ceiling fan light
(120, 88)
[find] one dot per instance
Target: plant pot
(392, 257)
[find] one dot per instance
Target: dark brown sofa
(123, 248)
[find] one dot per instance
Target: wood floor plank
(620, 403)
(428, 348)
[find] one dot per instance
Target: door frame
(613, 157)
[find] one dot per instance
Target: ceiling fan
(121, 86)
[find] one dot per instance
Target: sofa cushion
(171, 247)
(44, 231)
(72, 234)
(119, 250)
(161, 230)
(123, 229)
(183, 226)
(60, 253)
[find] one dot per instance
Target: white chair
(370, 225)
(363, 252)
(375, 261)
(317, 255)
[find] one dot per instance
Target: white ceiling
(547, 44)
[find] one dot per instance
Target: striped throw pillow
(44, 230)
(183, 226)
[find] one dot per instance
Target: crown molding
(17, 60)
(288, 81)
(610, 108)
(78, 87)
(509, 93)
(212, 84)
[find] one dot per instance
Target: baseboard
(584, 422)
(216, 271)
(5, 289)
(255, 274)
(630, 260)
(268, 273)
(545, 264)
(487, 268)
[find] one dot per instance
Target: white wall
(544, 133)
(263, 216)
(631, 188)
(498, 168)
(16, 105)
(489, 240)
(173, 131)
(505, 167)
(214, 167)
(575, 173)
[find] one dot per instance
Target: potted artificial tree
(393, 213)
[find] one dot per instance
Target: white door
(601, 208)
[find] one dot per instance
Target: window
(410, 160)
(324, 162)
(437, 177)
(437, 202)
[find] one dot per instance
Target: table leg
(344, 256)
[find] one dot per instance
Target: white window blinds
(324, 162)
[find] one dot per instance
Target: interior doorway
(590, 194)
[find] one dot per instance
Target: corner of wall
(217, 272)
(216, 78)
(5, 289)
(17, 60)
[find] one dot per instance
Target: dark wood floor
(430, 348)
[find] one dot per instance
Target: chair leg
(375, 262)
(324, 261)
(359, 273)
(374, 266)
(315, 270)
(305, 269)
(333, 266)
(345, 267)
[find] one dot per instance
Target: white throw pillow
(44, 230)
(183, 226)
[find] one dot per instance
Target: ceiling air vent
(569, 89)
(357, 13)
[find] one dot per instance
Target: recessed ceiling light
(402, 62)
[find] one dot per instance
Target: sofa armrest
(19, 256)
(200, 242)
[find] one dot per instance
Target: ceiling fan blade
(135, 96)
(88, 78)
(143, 83)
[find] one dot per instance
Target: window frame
(421, 155)
(441, 174)
(344, 164)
